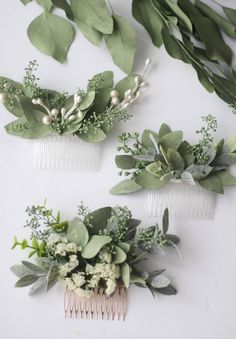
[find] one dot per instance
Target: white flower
(73, 259)
(111, 286)
(60, 249)
(71, 247)
(83, 293)
(78, 279)
(54, 239)
(70, 284)
(105, 255)
(94, 281)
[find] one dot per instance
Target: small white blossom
(78, 279)
(60, 249)
(71, 247)
(54, 239)
(104, 255)
(70, 284)
(73, 259)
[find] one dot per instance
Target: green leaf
(147, 141)
(35, 243)
(91, 34)
(175, 160)
(164, 129)
(52, 277)
(172, 239)
(180, 14)
(93, 135)
(25, 2)
(231, 14)
(33, 113)
(99, 219)
(125, 274)
(46, 4)
(24, 244)
(26, 280)
(225, 159)
(124, 246)
(212, 183)
(15, 108)
(219, 20)
(165, 221)
(174, 47)
(203, 78)
(77, 232)
(229, 145)
(87, 101)
(94, 245)
(120, 255)
(127, 83)
(125, 161)
(125, 187)
(136, 279)
(51, 35)
(199, 171)
(34, 268)
(147, 180)
(93, 13)
(63, 4)
(101, 81)
(20, 270)
(171, 140)
(122, 43)
(39, 286)
(186, 153)
(147, 16)
(226, 178)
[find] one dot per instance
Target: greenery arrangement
(191, 31)
(155, 159)
(89, 114)
(99, 249)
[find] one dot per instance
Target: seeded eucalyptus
(89, 114)
(98, 249)
(152, 160)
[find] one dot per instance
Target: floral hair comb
(96, 256)
(70, 128)
(178, 175)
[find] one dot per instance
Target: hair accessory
(178, 175)
(70, 128)
(96, 257)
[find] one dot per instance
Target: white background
(206, 279)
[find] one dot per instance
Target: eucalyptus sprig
(97, 249)
(89, 114)
(155, 159)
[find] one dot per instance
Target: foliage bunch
(190, 31)
(154, 159)
(99, 249)
(89, 114)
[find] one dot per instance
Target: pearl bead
(115, 101)
(35, 101)
(3, 98)
(80, 115)
(137, 80)
(71, 118)
(63, 111)
(114, 93)
(127, 93)
(47, 120)
(54, 112)
(78, 99)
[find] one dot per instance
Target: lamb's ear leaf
(125, 274)
(120, 255)
(94, 245)
(52, 276)
(26, 280)
(226, 178)
(39, 286)
(212, 183)
(125, 187)
(147, 180)
(77, 232)
(51, 35)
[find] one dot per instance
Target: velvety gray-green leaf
(120, 255)
(149, 181)
(94, 245)
(171, 140)
(122, 43)
(51, 35)
(35, 269)
(186, 153)
(147, 139)
(229, 145)
(39, 286)
(26, 280)
(20, 270)
(164, 129)
(52, 277)
(93, 13)
(212, 183)
(226, 178)
(125, 187)
(175, 159)
(125, 274)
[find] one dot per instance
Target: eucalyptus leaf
(171, 140)
(93, 135)
(87, 101)
(122, 43)
(99, 219)
(125, 274)
(125, 187)
(225, 159)
(136, 279)
(93, 13)
(127, 83)
(77, 232)
(147, 141)
(147, 180)
(46, 4)
(25, 2)
(125, 161)
(63, 4)
(90, 33)
(124, 246)
(229, 145)
(94, 245)
(231, 14)
(15, 108)
(212, 183)
(51, 35)
(120, 255)
(180, 14)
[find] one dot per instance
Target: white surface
(206, 303)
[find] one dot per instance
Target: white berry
(115, 101)
(71, 118)
(114, 93)
(80, 115)
(54, 112)
(78, 99)
(35, 101)
(3, 98)
(127, 93)
(47, 120)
